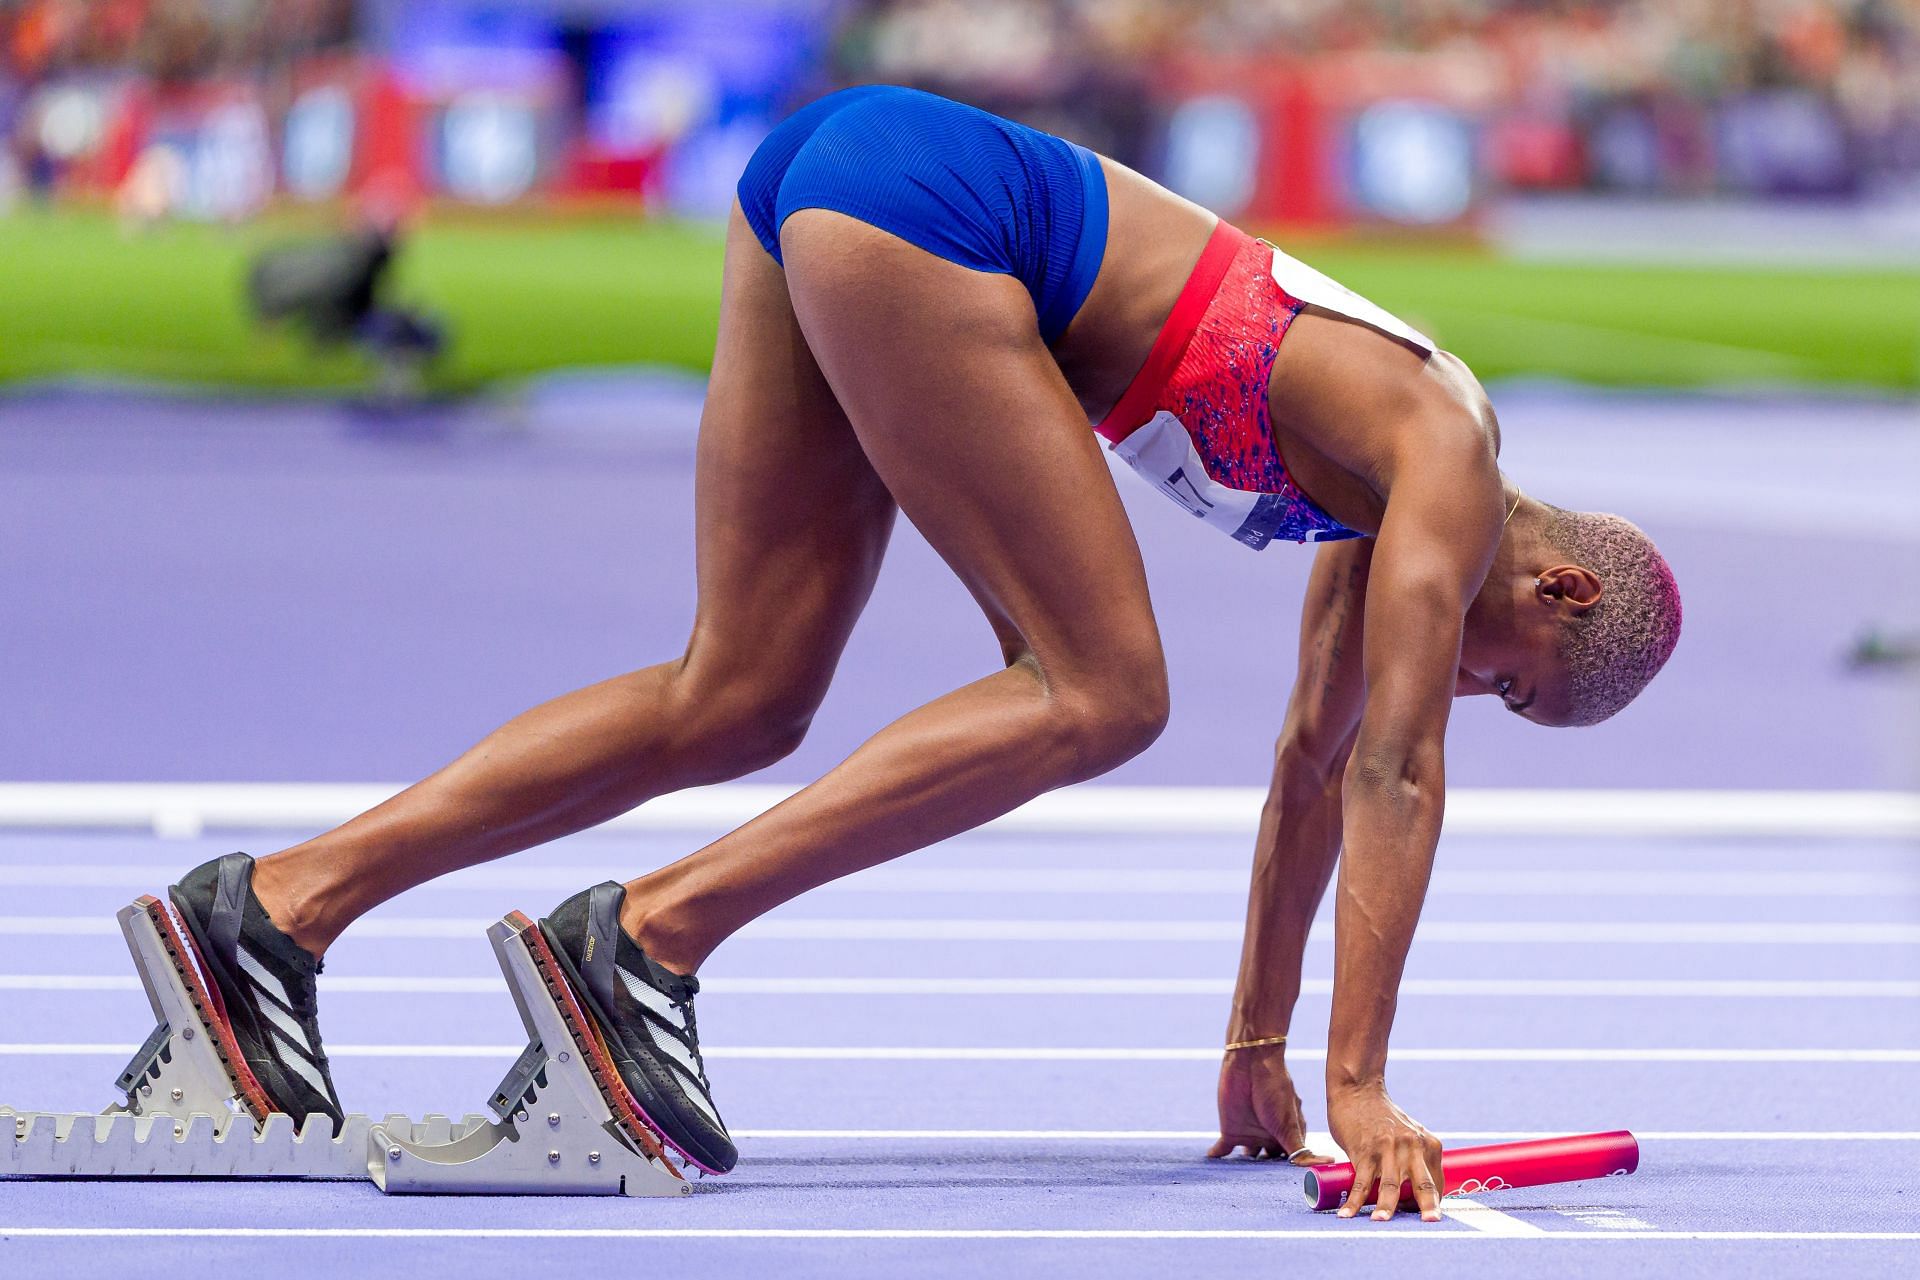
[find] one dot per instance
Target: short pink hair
(1617, 647)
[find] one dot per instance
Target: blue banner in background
(688, 90)
(701, 84)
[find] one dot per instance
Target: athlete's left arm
(1436, 542)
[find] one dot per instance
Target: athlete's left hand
(1260, 1109)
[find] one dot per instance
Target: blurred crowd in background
(1305, 111)
(1675, 96)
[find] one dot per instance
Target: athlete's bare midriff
(1154, 238)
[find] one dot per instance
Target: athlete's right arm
(1300, 823)
(1298, 844)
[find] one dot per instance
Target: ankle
(296, 904)
(658, 934)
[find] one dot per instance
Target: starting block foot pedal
(553, 1132)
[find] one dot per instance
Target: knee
(1109, 720)
(727, 728)
(767, 734)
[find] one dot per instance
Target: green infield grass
(523, 294)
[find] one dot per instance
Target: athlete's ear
(1574, 585)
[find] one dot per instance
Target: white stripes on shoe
(682, 1058)
(698, 1097)
(288, 1027)
(656, 1004)
(298, 1063)
(655, 1001)
(297, 1051)
(261, 977)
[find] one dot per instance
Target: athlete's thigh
(968, 420)
(792, 521)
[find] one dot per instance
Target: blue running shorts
(964, 185)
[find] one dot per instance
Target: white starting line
(192, 809)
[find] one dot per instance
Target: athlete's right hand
(1385, 1144)
(1260, 1109)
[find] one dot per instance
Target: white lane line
(1348, 1231)
(969, 1053)
(1319, 1141)
(921, 988)
(986, 1135)
(978, 1053)
(341, 985)
(1477, 933)
(928, 929)
(1113, 881)
(1096, 881)
(1487, 1221)
(84, 1050)
(1551, 988)
(1548, 988)
(189, 809)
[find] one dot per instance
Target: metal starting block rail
(552, 1133)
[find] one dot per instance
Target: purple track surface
(300, 591)
(232, 590)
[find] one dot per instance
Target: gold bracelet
(1254, 1044)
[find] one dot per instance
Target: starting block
(551, 1133)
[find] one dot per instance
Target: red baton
(1472, 1170)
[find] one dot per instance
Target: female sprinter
(924, 307)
